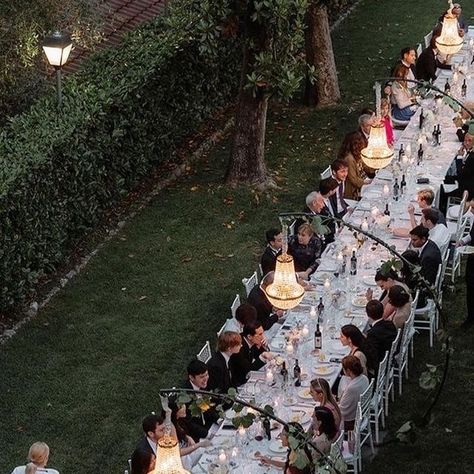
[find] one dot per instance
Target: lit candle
(234, 452)
(339, 257)
(269, 375)
(386, 190)
(455, 76)
(289, 348)
(408, 149)
(365, 225)
(222, 457)
(375, 212)
(354, 249)
(305, 330)
(327, 284)
(312, 312)
(241, 431)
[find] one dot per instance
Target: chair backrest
(250, 282)
(336, 447)
(381, 376)
(235, 305)
(419, 50)
(327, 173)
(205, 353)
(391, 354)
(427, 39)
(366, 398)
(292, 228)
(406, 337)
(414, 303)
(221, 330)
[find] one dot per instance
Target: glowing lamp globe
(377, 154)
(285, 292)
(449, 42)
(168, 459)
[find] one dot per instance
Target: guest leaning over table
(403, 101)
(286, 466)
(350, 394)
(305, 248)
(38, 456)
(320, 390)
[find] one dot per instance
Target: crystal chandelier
(449, 42)
(168, 459)
(285, 292)
(377, 154)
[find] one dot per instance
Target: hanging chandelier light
(377, 154)
(168, 459)
(449, 42)
(285, 292)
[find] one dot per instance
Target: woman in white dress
(38, 456)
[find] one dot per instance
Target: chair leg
(400, 381)
(383, 420)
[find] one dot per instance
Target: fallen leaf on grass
(229, 200)
(186, 258)
(194, 188)
(144, 297)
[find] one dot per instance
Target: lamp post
(57, 48)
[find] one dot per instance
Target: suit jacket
(198, 426)
(219, 374)
(430, 259)
(381, 336)
(259, 301)
(426, 65)
(268, 260)
(340, 209)
(142, 457)
(466, 175)
(328, 238)
(246, 360)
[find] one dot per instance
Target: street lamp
(57, 48)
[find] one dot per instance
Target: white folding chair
(377, 412)
(414, 304)
(292, 228)
(205, 353)
(419, 50)
(351, 448)
(327, 173)
(427, 39)
(388, 390)
(454, 225)
(336, 450)
(221, 330)
(365, 429)
(456, 207)
(250, 282)
(235, 305)
(400, 367)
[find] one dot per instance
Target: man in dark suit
(382, 333)
(253, 354)
(430, 256)
(469, 321)
(220, 378)
(267, 315)
(274, 244)
(328, 188)
(339, 170)
(143, 458)
(198, 377)
(428, 62)
(465, 165)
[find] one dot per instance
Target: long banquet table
(343, 295)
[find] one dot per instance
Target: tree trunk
(247, 162)
(319, 53)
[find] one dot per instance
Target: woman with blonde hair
(403, 101)
(321, 392)
(38, 456)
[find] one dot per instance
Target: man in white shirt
(439, 233)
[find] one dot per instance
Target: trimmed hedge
(127, 111)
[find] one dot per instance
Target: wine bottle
(318, 338)
(400, 152)
(403, 184)
(396, 190)
(267, 428)
(284, 373)
(438, 135)
(464, 89)
(344, 265)
(387, 210)
(297, 374)
(422, 119)
(420, 154)
(447, 87)
(320, 309)
(353, 263)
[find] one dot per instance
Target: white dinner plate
(300, 416)
(369, 280)
(304, 393)
(277, 343)
(275, 446)
(324, 370)
(359, 301)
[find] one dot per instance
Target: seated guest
(143, 458)
(410, 278)
(320, 390)
(350, 394)
(305, 249)
(425, 198)
(244, 314)
(188, 448)
(356, 174)
(465, 165)
(352, 337)
(439, 233)
(399, 300)
(220, 378)
(339, 170)
(428, 62)
(267, 315)
(38, 456)
(325, 430)
(328, 188)
(430, 256)
(402, 99)
(273, 249)
(314, 205)
(386, 281)
(382, 333)
(253, 354)
(199, 426)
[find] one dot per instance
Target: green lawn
(86, 370)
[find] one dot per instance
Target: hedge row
(127, 111)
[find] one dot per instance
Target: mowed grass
(83, 374)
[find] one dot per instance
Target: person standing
(469, 278)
